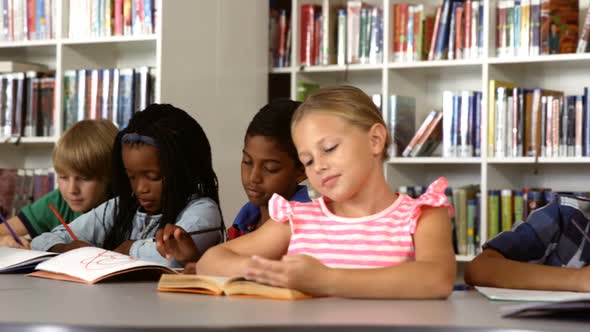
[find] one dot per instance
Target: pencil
(581, 230)
(200, 231)
(61, 220)
(16, 238)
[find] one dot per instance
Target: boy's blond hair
(347, 102)
(86, 148)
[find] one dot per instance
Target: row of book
(534, 27)
(113, 94)
(27, 19)
(100, 18)
(23, 186)
(279, 38)
(27, 104)
(466, 219)
(454, 32)
(351, 35)
(537, 122)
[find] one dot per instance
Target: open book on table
(13, 259)
(506, 294)
(234, 286)
(90, 265)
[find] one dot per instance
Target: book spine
(477, 124)
(545, 26)
(471, 211)
(535, 26)
(341, 39)
(525, 9)
(459, 33)
(409, 41)
(518, 207)
(549, 130)
(585, 34)
(418, 18)
(30, 109)
(468, 10)
(578, 125)
(474, 29)
(353, 31)
(556, 116)
(586, 124)
(543, 126)
(493, 213)
(435, 33)
(442, 38)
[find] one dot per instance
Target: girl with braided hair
(162, 175)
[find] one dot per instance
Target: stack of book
(455, 31)
(533, 27)
(537, 122)
(23, 186)
(100, 18)
(350, 35)
(280, 38)
(113, 94)
(26, 100)
(27, 20)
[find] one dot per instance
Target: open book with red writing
(90, 265)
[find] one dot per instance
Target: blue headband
(137, 138)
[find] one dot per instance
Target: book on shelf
(230, 286)
(22, 20)
(347, 34)
(23, 186)
(535, 27)
(400, 120)
(461, 116)
(279, 37)
(113, 94)
(90, 265)
(97, 18)
(13, 259)
(427, 138)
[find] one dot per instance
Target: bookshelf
(426, 80)
(209, 60)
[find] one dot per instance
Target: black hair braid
(185, 164)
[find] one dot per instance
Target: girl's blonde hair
(86, 148)
(347, 102)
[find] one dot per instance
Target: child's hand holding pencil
(173, 242)
(9, 241)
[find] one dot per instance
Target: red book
(467, 19)
(118, 13)
(459, 33)
(306, 37)
(434, 33)
(31, 26)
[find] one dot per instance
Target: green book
(471, 206)
(518, 207)
(506, 210)
(493, 213)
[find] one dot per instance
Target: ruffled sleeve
(435, 197)
(279, 208)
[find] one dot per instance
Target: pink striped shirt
(379, 240)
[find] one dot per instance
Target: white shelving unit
(425, 80)
(210, 60)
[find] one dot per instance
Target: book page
(505, 294)
(91, 263)
(12, 257)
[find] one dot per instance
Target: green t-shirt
(38, 217)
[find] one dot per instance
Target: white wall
(223, 59)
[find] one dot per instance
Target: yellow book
(493, 87)
(232, 286)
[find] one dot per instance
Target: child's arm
(431, 276)
(490, 268)
(90, 229)
(234, 257)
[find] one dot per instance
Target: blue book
(476, 124)
(455, 125)
(442, 38)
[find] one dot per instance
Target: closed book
(507, 214)
(493, 213)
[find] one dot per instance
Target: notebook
(564, 309)
(234, 286)
(90, 265)
(505, 294)
(14, 259)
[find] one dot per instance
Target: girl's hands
(300, 272)
(9, 241)
(173, 242)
